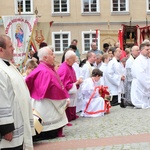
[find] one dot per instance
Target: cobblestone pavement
(122, 129)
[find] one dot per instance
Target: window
(90, 6)
(61, 41)
(119, 5)
(26, 6)
(148, 6)
(60, 6)
(87, 38)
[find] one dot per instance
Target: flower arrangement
(104, 93)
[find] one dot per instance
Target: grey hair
(43, 52)
(69, 54)
(99, 56)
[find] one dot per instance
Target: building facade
(61, 21)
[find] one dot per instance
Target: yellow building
(60, 21)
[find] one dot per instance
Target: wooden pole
(28, 48)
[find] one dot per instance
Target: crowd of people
(56, 91)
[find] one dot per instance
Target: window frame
(147, 6)
(67, 13)
(120, 12)
(91, 40)
(24, 8)
(90, 12)
(61, 43)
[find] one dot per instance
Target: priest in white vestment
(98, 61)
(103, 68)
(140, 88)
(93, 104)
(88, 66)
(134, 53)
(16, 118)
(115, 77)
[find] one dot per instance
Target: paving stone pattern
(105, 133)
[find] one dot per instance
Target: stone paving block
(120, 122)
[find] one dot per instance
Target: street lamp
(19, 6)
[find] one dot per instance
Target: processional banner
(144, 33)
(19, 29)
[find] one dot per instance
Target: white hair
(69, 54)
(51, 47)
(44, 51)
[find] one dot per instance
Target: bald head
(135, 51)
(134, 48)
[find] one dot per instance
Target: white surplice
(79, 101)
(97, 102)
(123, 72)
(129, 62)
(87, 70)
(113, 78)
(128, 79)
(140, 87)
(52, 113)
(15, 107)
(103, 68)
(97, 65)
